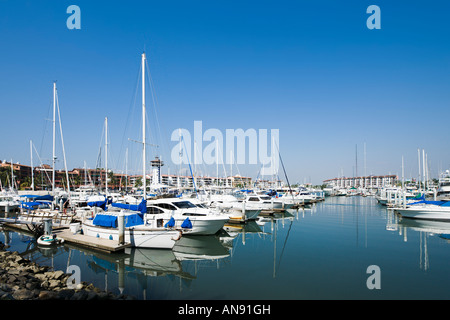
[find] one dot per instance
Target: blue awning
(142, 207)
(46, 197)
(110, 220)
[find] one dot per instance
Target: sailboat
(141, 230)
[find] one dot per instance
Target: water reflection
(424, 229)
(300, 254)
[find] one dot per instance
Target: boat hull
(139, 237)
(200, 226)
(426, 213)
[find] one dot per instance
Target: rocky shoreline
(22, 279)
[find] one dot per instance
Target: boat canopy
(142, 207)
(441, 203)
(110, 220)
(100, 204)
(33, 205)
(46, 197)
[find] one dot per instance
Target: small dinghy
(48, 240)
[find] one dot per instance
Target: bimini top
(441, 203)
(110, 220)
(46, 197)
(141, 207)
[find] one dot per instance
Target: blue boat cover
(441, 203)
(101, 204)
(187, 224)
(32, 205)
(142, 207)
(46, 197)
(110, 221)
(105, 220)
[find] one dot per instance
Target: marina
(220, 151)
(321, 252)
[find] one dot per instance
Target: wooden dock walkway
(77, 239)
(91, 242)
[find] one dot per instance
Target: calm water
(317, 253)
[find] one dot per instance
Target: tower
(156, 170)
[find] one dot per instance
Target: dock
(78, 239)
(90, 242)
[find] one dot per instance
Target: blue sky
(311, 69)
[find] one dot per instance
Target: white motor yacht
(182, 213)
(428, 210)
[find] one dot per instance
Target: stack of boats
(156, 222)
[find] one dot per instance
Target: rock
(53, 284)
(66, 294)
(80, 295)
(45, 284)
(11, 279)
(23, 294)
(58, 274)
(103, 295)
(40, 276)
(91, 296)
(47, 295)
(14, 272)
(31, 285)
(6, 296)
(21, 279)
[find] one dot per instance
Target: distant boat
(252, 205)
(443, 192)
(8, 203)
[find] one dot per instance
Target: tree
(138, 182)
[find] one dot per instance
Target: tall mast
(106, 156)
(418, 157)
(32, 169)
(143, 126)
(126, 170)
(423, 172)
(54, 129)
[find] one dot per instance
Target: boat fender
(187, 224)
(170, 224)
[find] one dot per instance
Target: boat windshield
(184, 204)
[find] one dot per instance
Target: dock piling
(121, 225)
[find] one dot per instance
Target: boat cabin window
(266, 198)
(253, 199)
(184, 204)
(167, 206)
(154, 210)
(193, 214)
